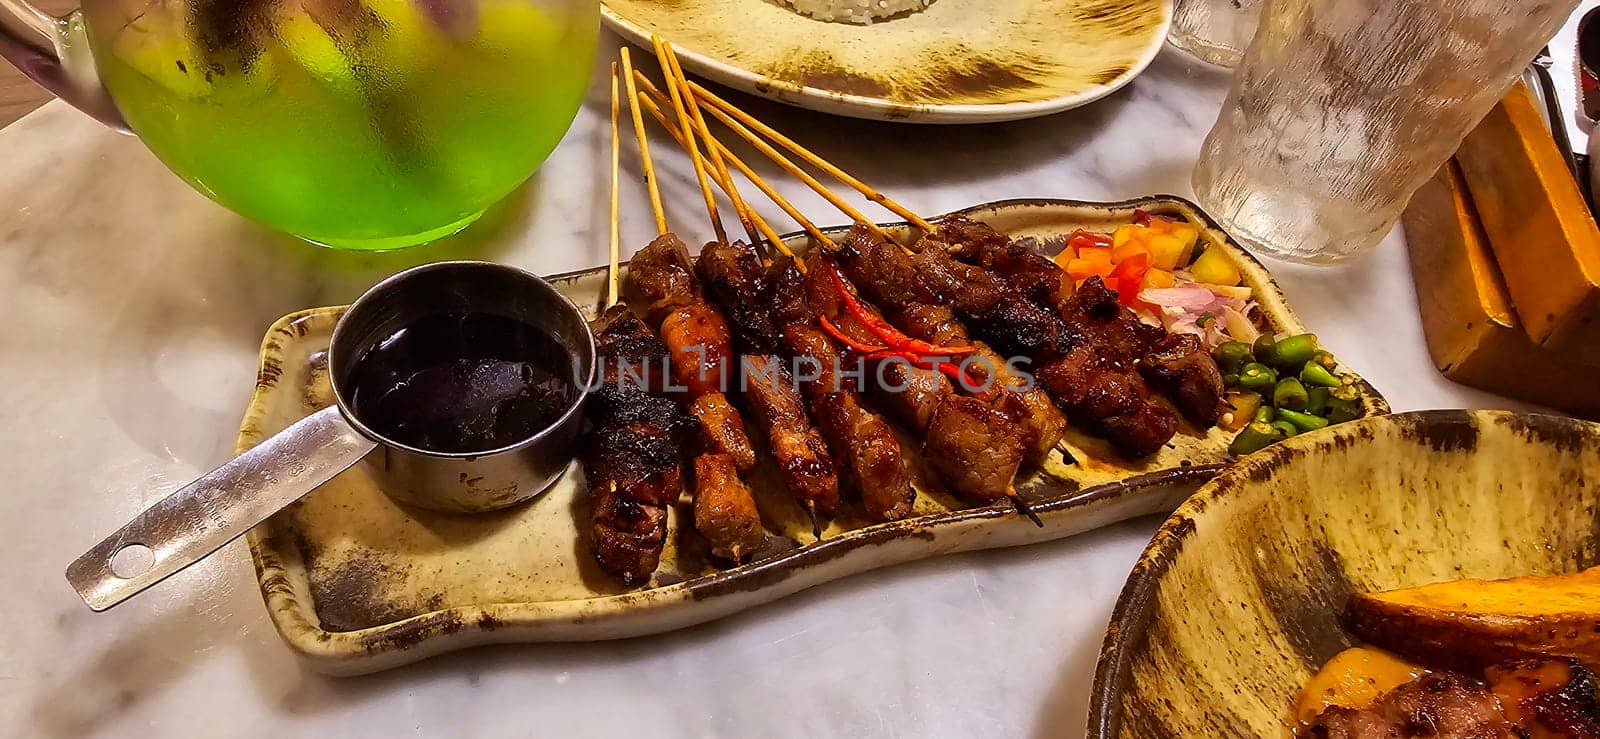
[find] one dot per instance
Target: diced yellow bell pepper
(1214, 268)
(1125, 234)
(1168, 251)
(1067, 254)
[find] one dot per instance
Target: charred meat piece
(1096, 313)
(908, 393)
(883, 272)
(722, 429)
(1339, 722)
(1040, 417)
(1445, 705)
(1548, 698)
(736, 281)
(1179, 366)
(633, 454)
(1031, 273)
(701, 353)
(1438, 706)
(1079, 364)
(1109, 398)
(802, 455)
(964, 449)
(664, 275)
(866, 450)
(724, 510)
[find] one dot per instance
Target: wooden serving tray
(356, 583)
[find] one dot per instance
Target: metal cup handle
(199, 518)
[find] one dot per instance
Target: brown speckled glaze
(959, 61)
(356, 582)
(1235, 603)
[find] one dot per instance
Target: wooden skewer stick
(676, 77)
(688, 133)
(811, 228)
(794, 169)
(870, 192)
(755, 226)
(644, 145)
(613, 293)
(655, 107)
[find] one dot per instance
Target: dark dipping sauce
(462, 383)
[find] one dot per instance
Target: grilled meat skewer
(1095, 386)
(974, 445)
(923, 314)
(633, 455)
(1107, 396)
(696, 337)
(697, 340)
(1175, 364)
(867, 452)
(736, 281)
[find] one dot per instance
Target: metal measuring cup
(217, 508)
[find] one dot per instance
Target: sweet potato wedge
(1355, 678)
(1472, 624)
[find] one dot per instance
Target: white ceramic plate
(958, 61)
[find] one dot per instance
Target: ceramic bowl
(1236, 601)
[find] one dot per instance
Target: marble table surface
(132, 310)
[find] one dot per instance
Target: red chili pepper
(829, 328)
(942, 365)
(873, 322)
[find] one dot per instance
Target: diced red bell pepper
(1129, 276)
(1081, 238)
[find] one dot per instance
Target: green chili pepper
(1289, 393)
(1231, 355)
(1344, 404)
(1317, 400)
(1254, 438)
(1265, 349)
(1302, 421)
(1230, 380)
(1325, 358)
(1318, 376)
(1265, 414)
(1286, 428)
(1257, 376)
(1294, 351)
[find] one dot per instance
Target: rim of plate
(875, 108)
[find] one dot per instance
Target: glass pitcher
(1341, 109)
(363, 124)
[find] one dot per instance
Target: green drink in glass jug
(361, 124)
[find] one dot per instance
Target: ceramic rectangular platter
(356, 582)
